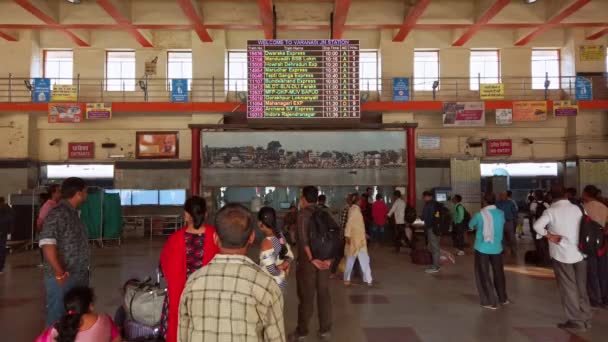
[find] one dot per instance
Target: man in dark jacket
(429, 213)
(7, 221)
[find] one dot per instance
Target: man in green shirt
(459, 226)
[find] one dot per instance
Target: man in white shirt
(560, 225)
(398, 210)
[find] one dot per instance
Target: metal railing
(19, 89)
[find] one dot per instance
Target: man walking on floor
(510, 209)
(312, 275)
(7, 222)
(65, 245)
(398, 210)
(459, 224)
(560, 225)
(430, 213)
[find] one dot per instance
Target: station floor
(406, 305)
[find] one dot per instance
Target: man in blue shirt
(509, 208)
(489, 223)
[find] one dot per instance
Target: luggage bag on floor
(422, 257)
(137, 332)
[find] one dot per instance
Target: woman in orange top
(186, 251)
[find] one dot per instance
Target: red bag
(422, 257)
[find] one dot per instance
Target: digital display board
(303, 79)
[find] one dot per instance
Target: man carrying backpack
(312, 273)
(560, 225)
(541, 244)
(597, 263)
(430, 215)
(510, 210)
(460, 214)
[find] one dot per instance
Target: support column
(410, 149)
(195, 176)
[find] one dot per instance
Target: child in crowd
(275, 254)
(81, 323)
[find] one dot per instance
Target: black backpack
(591, 236)
(443, 220)
(540, 209)
(323, 234)
(467, 215)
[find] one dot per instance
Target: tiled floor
(407, 305)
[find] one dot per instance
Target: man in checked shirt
(232, 298)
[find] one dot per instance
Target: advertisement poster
(463, 114)
(583, 88)
(499, 147)
(99, 111)
(284, 159)
(529, 110)
(504, 117)
(65, 112)
(565, 108)
(157, 145)
(64, 93)
(492, 91)
(591, 53)
(41, 90)
(429, 142)
(81, 150)
(179, 90)
(401, 89)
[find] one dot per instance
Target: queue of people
(206, 266)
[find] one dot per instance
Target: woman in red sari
(187, 250)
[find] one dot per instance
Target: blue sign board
(179, 90)
(401, 89)
(584, 89)
(41, 90)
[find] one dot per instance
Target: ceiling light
(529, 1)
(74, 1)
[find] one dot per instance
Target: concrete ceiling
(141, 18)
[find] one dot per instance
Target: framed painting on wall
(157, 145)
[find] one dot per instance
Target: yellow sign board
(64, 93)
(492, 91)
(591, 53)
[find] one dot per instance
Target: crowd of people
(216, 292)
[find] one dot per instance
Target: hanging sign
(564, 108)
(150, 68)
(99, 111)
(499, 147)
(401, 89)
(179, 90)
(504, 116)
(41, 90)
(591, 53)
(491, 91)
(463, 114)
(429, 142)
(65, 112)
(583, 88)
(64, 93)
(529, 110)
(81, 150)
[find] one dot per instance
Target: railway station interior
(241, 101)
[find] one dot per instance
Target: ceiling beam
(485, 18)
(598, 34)
(340, 13)
(410, 20)
(568, 11)
(195, 19)
(119, 13)
(266, 17)
(48, 19)
(8, 37)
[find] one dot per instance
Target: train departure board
(303, 79)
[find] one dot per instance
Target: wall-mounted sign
(64, 93)
(157, 145)
(179, 90)
(99, 111)
(41, 90)
(463, 114)
(491, 91)
(591, 53)
(583, 88)
(429, 142)
(564, 108)
(81, 150)
(499, 147)
(504, 116)
(529, 110)
(401, 89)
(65, 112)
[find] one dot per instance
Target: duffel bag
(144, 302)
(135, 331)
